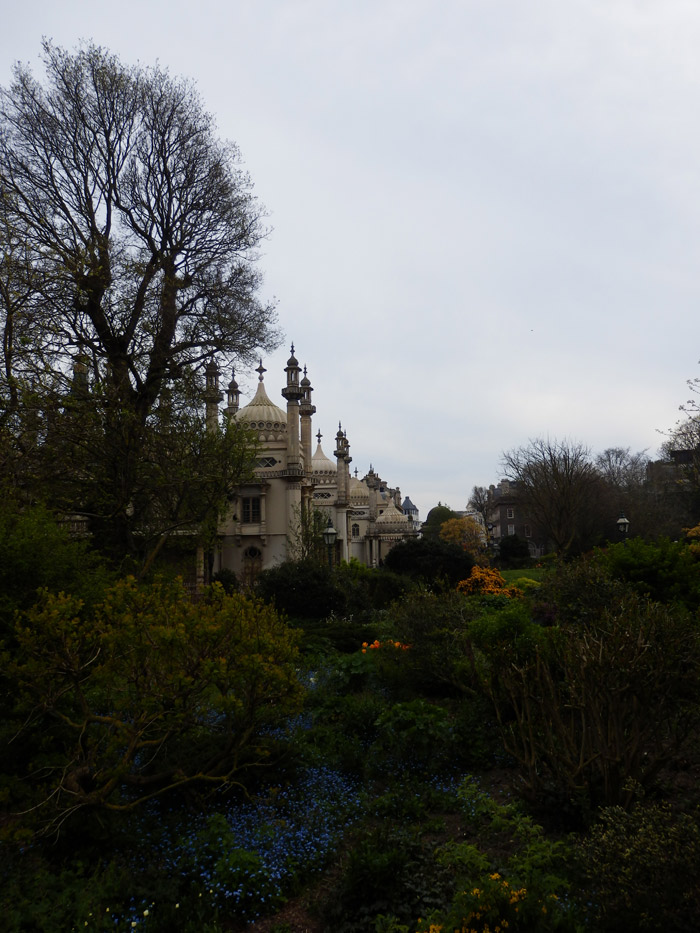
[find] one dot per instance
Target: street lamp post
(623, 526)
(329, 536)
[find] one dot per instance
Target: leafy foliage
(513, 551)
(641, 866)
(146, 692)
(665, 571)
(303, 589)
(584, 707)
(434, 562)
(38, 552)
(464, 531)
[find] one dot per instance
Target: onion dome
(358, 492)
(260, 412)
(391, 519)
(320, 463)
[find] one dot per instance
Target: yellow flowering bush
(485, 581)
(497, 906)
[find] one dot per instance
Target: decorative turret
(293, 392)
(342, 453)
(306, 410)
(373, 483)
(212, 396)
(233, 397)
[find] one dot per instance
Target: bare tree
(480, 501)
(137, 231)
(558, 485)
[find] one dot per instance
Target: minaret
(306, 410)
(212, 396)
(293, 392)
(373, 482)
(342, 453)
(233, 397)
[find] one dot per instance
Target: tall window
(356, 531)
(511, 529)
(510, 513)
(251, 510)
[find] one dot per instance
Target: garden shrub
(640, 869)
(437, 564)
(416, 734)
(387, 871)
(435, 626)
(583, 707)
(664, 571)
(303, 589)
(486, 581)
(142, 694)
(512, 879)
(513, 551)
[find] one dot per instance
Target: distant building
(507, 516)
(263, 525)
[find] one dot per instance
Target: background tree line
(572, 497)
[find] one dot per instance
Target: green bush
(416, 734)
(437, 563)
(664, 571)
(388, 871)
(513, 878)
(435, 627)
(301, 589)
(585, 705)
(640, 869)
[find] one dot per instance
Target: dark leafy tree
(434, 562)
(513, 551)
(304, 589)
(435, 519)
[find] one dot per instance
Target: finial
(261, 369)
(356, 472)
(304, 370)
(319, 436)
(292, 349)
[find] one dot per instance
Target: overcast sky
(485, 213)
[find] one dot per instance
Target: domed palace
(263, 525)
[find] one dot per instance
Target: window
(526, 531)
(251, 510)
(267, 462)
(356, 530)
(511, 529)
(510, 513)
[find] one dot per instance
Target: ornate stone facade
(265, 523)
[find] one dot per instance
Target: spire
(261, 369)
(292, 391)
(233, 397)
(212, 395)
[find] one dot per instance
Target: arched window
(356, 530)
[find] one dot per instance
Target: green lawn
(532, 573)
